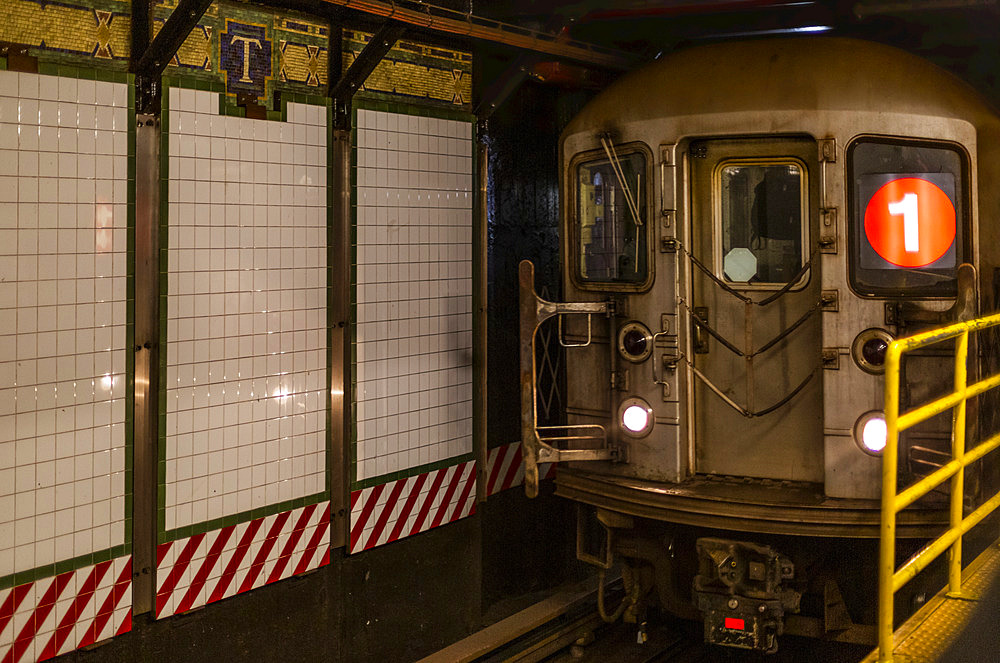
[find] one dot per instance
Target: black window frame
(859, 278)
(572, 192)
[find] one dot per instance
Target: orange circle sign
(910, 222)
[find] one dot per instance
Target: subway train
(744, 228)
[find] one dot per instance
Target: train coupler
(739, 592)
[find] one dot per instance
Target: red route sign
(910, 222)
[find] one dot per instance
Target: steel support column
(480, 300)
(145, 439)
(363, 65)
(340, 257)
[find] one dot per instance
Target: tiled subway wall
(414, 291)
(246, 310)
(63, 320)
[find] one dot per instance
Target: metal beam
(504, 85)
(439, 19)
(361, 68)
(171, 36)
(150, 65)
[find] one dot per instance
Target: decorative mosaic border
(298, 45)
(55, 615)
(211, 566)
(505, 468)
(81, 31)
(391, 511)
(414, 71)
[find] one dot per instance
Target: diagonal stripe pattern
(505, 469)
(397, 509)
(55, 615)
(207, 567)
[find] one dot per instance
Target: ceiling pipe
(440, 19)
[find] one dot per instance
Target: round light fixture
(636, 417)
(870, 432)
(869, 350)
(635, 342)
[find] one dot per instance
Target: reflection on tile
(414, 291)
(246, 309)
(63, 257)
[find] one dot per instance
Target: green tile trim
(129, 515)
(84, 73)
(161, 451)
(331, 260)
(242, 517)
(404, 108)
(227, 108)
(352, 309)
(49, 570)
(412, 472)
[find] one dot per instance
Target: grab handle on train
(534, 447)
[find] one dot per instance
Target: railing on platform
(890, 578)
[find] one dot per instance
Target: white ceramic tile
(414, 257)
(67, 387)
(246, 349)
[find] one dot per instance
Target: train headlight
(870, 432)
(869, 350)
(635, 342)
(636, 417)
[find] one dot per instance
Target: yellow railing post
(887, 541)
(890, 580)
(958, 453)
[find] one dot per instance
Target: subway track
(566, 628)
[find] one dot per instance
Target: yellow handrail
(890, 579)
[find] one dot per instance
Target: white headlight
(636, 417)
(870, 432)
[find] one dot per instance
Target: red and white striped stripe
(206, 567)
(55, 615)
(405, 507)
(505, 469)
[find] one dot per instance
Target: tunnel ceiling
(959, 35)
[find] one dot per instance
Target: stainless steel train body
(744, 227)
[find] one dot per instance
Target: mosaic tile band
(55, 615)
(505, 468)
(398, 509)
(207, 567)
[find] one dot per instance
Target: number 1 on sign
(911, 230)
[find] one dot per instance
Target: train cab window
(908, 214)
(611, 220)
(761, 206)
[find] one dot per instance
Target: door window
(761, 206)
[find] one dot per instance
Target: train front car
(745, 228)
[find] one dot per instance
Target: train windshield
(908, 214)
(761, 207)
(611, 217)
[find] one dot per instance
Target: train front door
(756, 340)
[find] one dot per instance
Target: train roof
(804, 73)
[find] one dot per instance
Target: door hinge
(619, 380)
(829, 301)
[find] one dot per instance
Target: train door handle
(698, 331)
